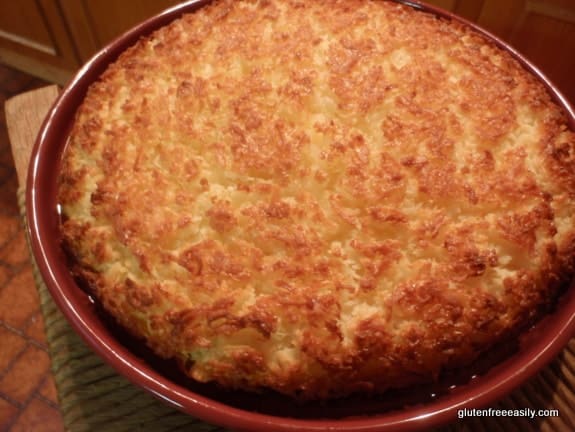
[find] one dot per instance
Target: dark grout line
(22, 333)
(11, 401)
(44, 399)
(12, 362)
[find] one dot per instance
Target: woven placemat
(93, 397)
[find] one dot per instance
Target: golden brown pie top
(319, 197)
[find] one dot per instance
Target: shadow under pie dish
(332, 201)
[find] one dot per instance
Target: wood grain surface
(24, 116)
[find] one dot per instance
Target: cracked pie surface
(319, 198)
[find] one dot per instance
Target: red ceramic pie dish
(240, 411)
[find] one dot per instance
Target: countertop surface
(28, 396)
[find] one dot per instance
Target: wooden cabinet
(52, 38)
(94, 23)
(542, 30)
(469, 9)
(34, 37)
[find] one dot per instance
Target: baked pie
(319, 197)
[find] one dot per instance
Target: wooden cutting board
(93, 397)
(24, 116)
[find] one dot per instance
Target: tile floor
(28, 401)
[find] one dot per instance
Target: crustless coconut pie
(319, 198)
